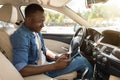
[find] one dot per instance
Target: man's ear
(28, 19)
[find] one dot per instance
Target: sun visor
(59, 3)
(56, 3)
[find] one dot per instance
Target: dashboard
(107, 58)
(106, 51)
(102, 49)
(103, 52)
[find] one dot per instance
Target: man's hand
(62, 63)
(62, 56)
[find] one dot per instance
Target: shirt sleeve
(20, 45)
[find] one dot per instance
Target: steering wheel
(77, 40)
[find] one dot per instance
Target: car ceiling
(56, 3)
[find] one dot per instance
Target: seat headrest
(8, 13)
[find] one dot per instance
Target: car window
(102, 15)
(5, 24)
(56, 22)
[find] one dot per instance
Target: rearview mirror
(89, 2)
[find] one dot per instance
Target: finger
(66, 55)
(68, 60)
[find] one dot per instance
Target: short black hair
(32, 8)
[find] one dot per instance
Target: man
(27, 51)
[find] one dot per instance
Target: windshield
(103, 15)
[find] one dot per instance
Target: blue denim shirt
(25, 51)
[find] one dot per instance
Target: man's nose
(43, 24)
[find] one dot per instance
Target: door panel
(56, 43)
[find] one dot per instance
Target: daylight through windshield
(101, 15)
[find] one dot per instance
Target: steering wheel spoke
(77, 40)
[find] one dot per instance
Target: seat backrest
(5, 45)
(9, 15)
(7, 70)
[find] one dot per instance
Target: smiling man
(29, 49)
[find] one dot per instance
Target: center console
(107, 60)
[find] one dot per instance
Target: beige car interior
(56, 3)
(7, 70)
(9, 14)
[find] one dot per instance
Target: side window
(58, 23)
(55, 22)
(5, 24)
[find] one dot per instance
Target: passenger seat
(7, 70)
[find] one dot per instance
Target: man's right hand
(62, 63)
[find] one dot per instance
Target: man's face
(37, 21)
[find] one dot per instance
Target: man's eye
(41, 22)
